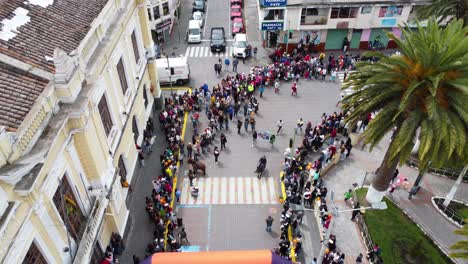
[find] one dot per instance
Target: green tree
(461, 247)
(423, 93)
(445, 9)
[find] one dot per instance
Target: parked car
(240, 46)
(236, 11)
(218, 39)
(199, 5)
(194, 33)
(200, 17)
(238, 26)
(236, 2)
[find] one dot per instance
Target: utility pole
(169, 72)
(287, 36)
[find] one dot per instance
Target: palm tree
(422, 93)
(445, 10)
(461, 246)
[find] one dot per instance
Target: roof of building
(18, 92)
(32, 30)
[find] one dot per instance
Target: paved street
(233, 204)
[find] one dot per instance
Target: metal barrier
(447, 172)
(449, 212)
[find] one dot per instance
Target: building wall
(81, 151)
(366, 21)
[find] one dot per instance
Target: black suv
(218, 42)
(199, 5)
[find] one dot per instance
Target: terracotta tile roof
(62, 24)
(18, 92)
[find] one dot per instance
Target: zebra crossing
(232, 190)
(205, 52)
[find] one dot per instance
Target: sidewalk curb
(174, 181)
(442, 213)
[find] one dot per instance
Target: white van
(194, 32)
(239, 46)
(179, 68)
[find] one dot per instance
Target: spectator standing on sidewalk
(269, 223)
(216, 154)
(359, 258)
(246, 123)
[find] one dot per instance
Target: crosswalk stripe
(235, 190)
(187, 52)
(198, 53)
(240, 186)
(232, 190)
(256, 194)
(264, 195)
(209, 191)
(185, 191)
(248, 190)
(206, 50)
(216, 186)
(271, 188)
(191, 51)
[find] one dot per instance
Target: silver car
(200, 17)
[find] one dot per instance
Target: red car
(237, 26)
(236, 2)
(236, 11)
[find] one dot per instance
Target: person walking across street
(235, 61)
(300, 124)
(226, 64)
(216, 154)
(279, 125)
(246, 123)
(294, 89)
(255, 53)
(183, 236)
(223, 140)
(254, 138)
(269, 223)
(239, 126)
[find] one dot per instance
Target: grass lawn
(400, 240)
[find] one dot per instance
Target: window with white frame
(136, 52)
(122, 76)
(150, 17)
(165, 7)
(104, 112)
(156, 12)
(314, 16)
(366, 9)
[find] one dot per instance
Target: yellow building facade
(67, 137)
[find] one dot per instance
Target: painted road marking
(234, 190)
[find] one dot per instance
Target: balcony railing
(85, 249)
